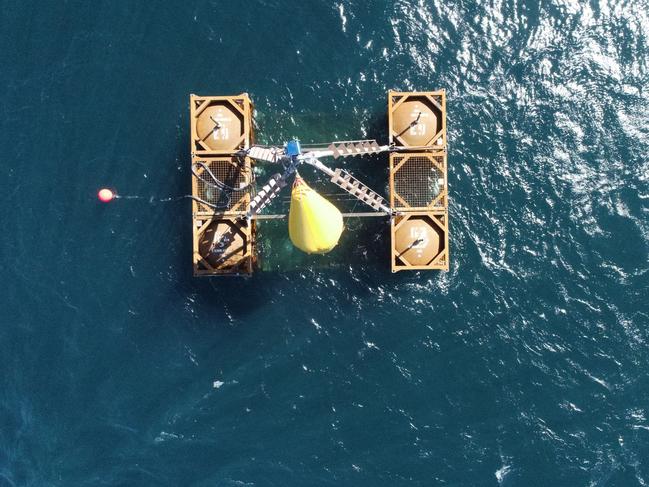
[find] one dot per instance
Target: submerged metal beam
(345, 215)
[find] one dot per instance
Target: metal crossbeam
(352, 185)
(345, 215)
(355, 148)
(356, 188)
(267, 193)
(269, 154)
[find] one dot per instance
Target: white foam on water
(502, 472)
(343, 19)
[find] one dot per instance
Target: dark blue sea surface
(527, 364)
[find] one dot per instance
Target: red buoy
(105, 195)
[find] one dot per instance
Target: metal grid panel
(233, 173)
(419, 181)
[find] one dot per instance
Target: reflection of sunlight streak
(343, 19)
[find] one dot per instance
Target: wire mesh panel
(223, 184)
(418, 181)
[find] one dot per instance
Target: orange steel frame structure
(406, 168)
(236, 259)
(434, 151)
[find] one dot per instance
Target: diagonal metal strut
(267, 193)
(353, 186)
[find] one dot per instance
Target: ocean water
(526, 364)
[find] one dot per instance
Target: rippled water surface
(526, 364)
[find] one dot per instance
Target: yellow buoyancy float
(314, 224)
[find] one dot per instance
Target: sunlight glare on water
(525, 364)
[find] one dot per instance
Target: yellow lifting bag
(314, 224)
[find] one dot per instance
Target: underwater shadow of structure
(240, 296)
